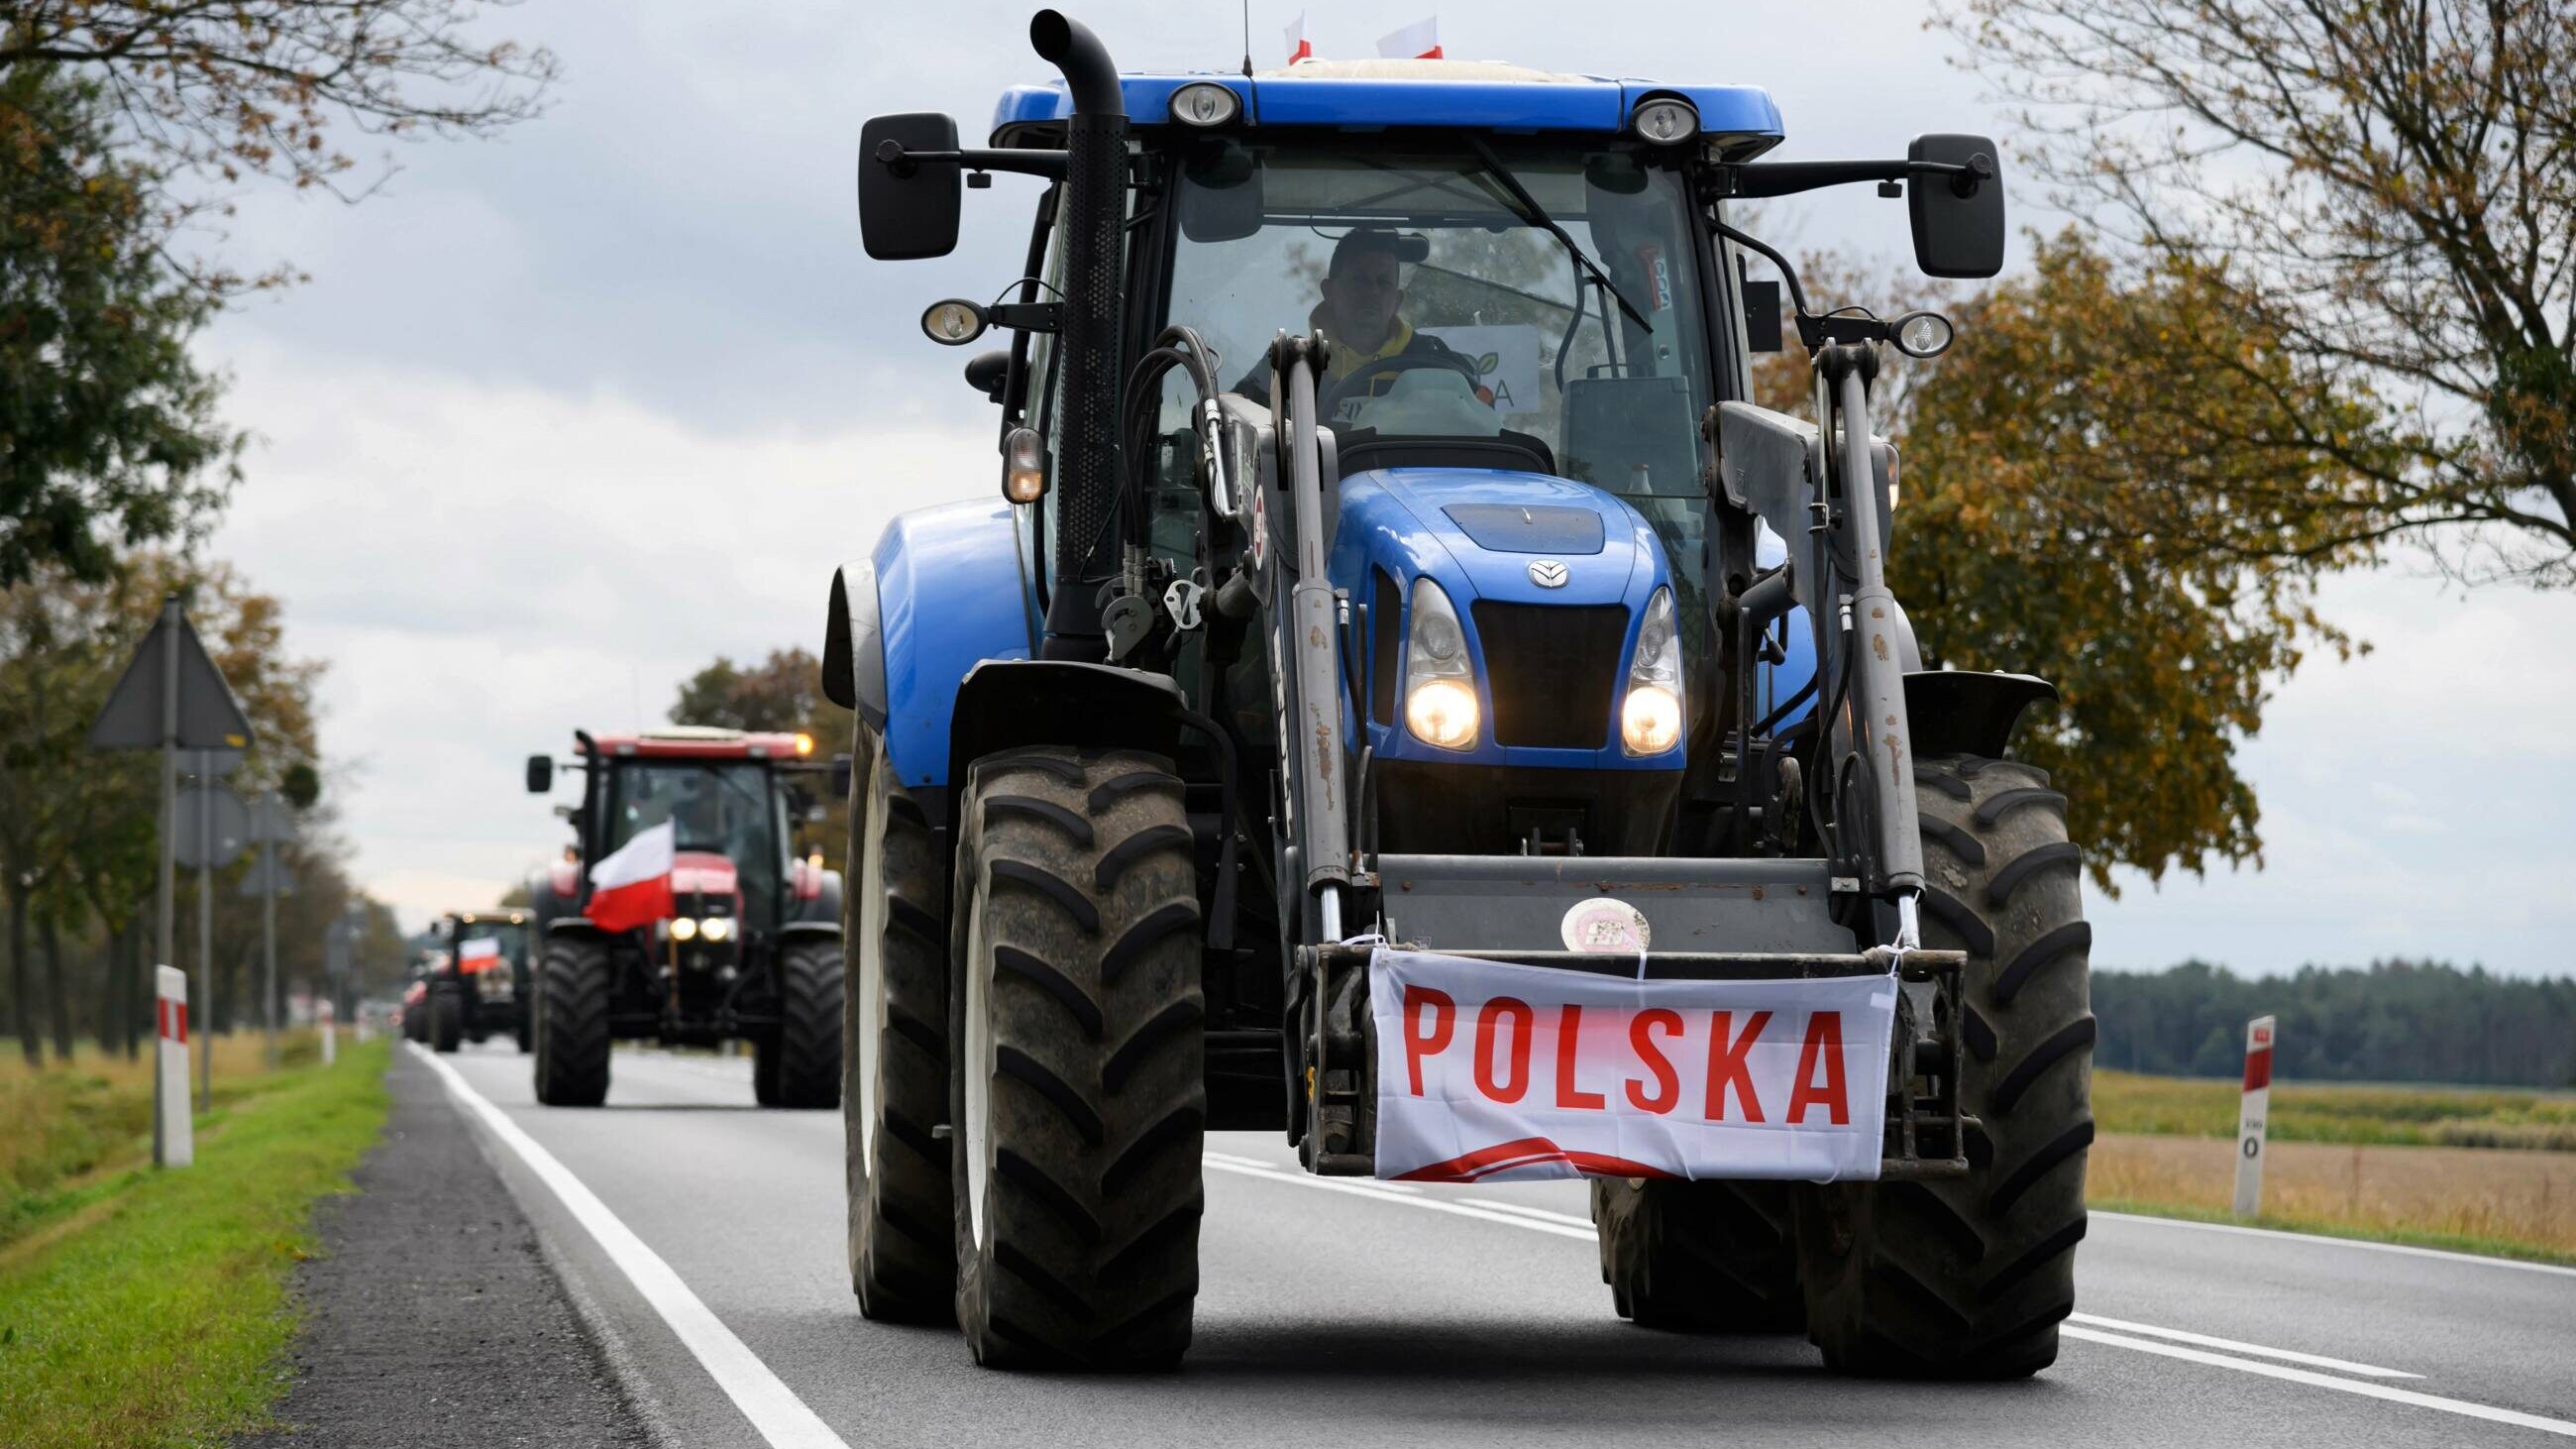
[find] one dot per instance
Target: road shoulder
(432, 1317)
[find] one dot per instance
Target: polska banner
(1488, 1071)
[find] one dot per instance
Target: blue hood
(1477, 534)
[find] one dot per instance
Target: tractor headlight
(1650, 718)
(1439, 684)
(683, 929)
(716, 928)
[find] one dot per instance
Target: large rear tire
(572, 1024)
(1077, 1021)
(446, 1018)
(806, 1075)
(894, 1062)
(1700, 1257)
(1968, 1278)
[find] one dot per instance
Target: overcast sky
(561, 418)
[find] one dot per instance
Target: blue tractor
(1391, 563)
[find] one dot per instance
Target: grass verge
(148, 1308)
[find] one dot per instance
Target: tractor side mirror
(908, 209)
(541, 774)
(841, 773)
(1958, 219)
(1224, 201)
(988, 372)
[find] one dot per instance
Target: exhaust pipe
(1092, 216)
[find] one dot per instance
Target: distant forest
(2398, 1021)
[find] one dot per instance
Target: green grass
(149, 1308)
(2396, 1116)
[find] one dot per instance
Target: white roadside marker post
(174, 1139)
(330, 1032)
(2250, 1117)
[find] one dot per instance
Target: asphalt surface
(433, 1319)
(1359, 1313)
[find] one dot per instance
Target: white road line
(1360, 1187)
(2348, 1386)
(781, 1418)
(2313, 1360)
(1525, 1210)
(2323, 1240)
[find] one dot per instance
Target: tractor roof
(489, 917)
(1379, 95)
(697, 742)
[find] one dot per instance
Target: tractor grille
(1551, 668)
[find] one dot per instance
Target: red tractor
(480, 989)
(749, 948)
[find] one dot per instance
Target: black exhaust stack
(1092, 215)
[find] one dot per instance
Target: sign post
(270, 826)
(174, 1140)
(2250, 1117)
(327, 1016)
(171, 697)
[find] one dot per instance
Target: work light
(683, 929)
(716, 928)
(1665, 120)
(1205, 104)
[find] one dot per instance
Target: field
(2481, 1170)
(140, 1307)
(2389, 1116)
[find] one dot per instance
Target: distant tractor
(749, 945)
(479, 991)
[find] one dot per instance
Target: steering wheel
(1330, 401)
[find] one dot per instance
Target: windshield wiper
(1536, 215)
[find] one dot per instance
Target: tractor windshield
(725, 808)
(1455, 311)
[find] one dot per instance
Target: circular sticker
(1605, 924)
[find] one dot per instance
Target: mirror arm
(1049, 164)
(1753, 180)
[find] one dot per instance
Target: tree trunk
(21, 1009)
(110, 1014)
(57, 998)
(139, 989)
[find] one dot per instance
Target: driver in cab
(1361, 316)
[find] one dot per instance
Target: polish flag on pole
(1299, 47)
(633, 887)
(1418, 41)
(479, 954)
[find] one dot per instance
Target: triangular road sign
(209, 717)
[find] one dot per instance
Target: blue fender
(942, 593)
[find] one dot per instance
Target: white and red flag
(633, 887)
(1418, 41)
(1299, 47)
(480, 954)
(1489, 1071)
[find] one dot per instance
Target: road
(703, 1239)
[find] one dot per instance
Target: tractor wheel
(572, 1024)
(446, 1018)
(1699, 1257)
(1077, 1069)
(1968, 1278)
(894, 1059)
(807, 1049)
